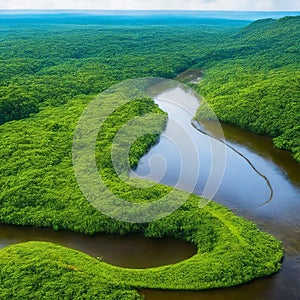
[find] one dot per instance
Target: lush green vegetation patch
(231, 251)
(254, 81)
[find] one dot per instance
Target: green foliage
(255, 82)
(231, 251)
(45, 271)
(50, 74)
(38, 183)
(50, 64)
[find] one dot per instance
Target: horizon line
(145, 10)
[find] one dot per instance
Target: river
(255, 180)
(260, 183)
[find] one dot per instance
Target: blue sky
(249, 5)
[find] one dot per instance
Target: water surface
(250, 160)
(132, 251)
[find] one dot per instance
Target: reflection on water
(261, 145)
(228, 171)
(244, 191)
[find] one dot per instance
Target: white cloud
(153, 4)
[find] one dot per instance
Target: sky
(240, 5)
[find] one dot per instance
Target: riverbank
(230, 250)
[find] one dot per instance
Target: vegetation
(50, 64)
(46, 271)
(57, 69)
(51, 74)
(254, 81)
(40, 189)
(230, 251)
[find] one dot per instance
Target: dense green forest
(49, 65)
(52, 72)
(253, 81)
